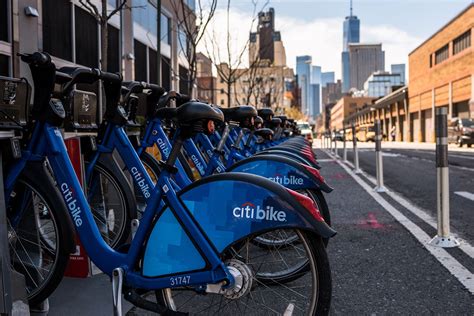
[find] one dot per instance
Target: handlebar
(36, 58)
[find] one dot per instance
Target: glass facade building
(380, 84)
(351, 34)
(303, 71)
(399, 69)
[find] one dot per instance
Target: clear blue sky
(314, 27)
(419, 17)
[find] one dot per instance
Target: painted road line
(467, 248)
(465, 194)
(324, 160)
(449, 262)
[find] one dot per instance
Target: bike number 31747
(180, 280)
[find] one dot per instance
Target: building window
(113, 50)
(4, 65)
(183, 80)
(87, 39)
(140, 61)
(144, 14)
(442, 54)
(4, 21)
(165, 30)
(152, 65)
(462, 42)
(431, 60)
(57, 28)
(222, 101)
(222, 91)
(182, 41)
(165, 73)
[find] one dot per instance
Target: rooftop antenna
(351, 7)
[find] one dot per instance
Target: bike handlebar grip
(110, 77)
(156, 88)
(35, 58)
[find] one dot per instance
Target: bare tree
(103, 16)
(193, 25)
(229, 63)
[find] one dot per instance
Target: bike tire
(36, 178)
(125, 203)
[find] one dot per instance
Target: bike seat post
(117, 282)
(225, 134)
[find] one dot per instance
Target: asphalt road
(412, 173)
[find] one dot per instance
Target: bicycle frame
(47, 142)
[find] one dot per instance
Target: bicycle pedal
(117, 283)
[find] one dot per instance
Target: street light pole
(158, 43)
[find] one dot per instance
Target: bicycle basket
(14, 100)
(83, 111)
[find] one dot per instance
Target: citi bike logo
(141, 182)
(284, 180)
(248, 210)
(164, 149)
(198, 164)
(71, 203)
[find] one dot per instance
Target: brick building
(345, 107)
(441, 73)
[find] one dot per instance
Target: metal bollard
(344, 150)
(323, 139)
(378, 157)
(330, 142)
(443, 238)
(335, 144)
(356, 152)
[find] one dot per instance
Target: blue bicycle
(193, 246)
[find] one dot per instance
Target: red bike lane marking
(371, 222)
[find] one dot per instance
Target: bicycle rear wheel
(40, 234)
(308, 295)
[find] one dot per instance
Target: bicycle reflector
(314, 172)
(308, 204)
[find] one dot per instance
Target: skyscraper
(364, 60)
(303, 71)
(351, 34)
(315, 91)
(327, 77)
(266, 46)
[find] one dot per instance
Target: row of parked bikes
(231, 220)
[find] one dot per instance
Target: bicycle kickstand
(117, 282)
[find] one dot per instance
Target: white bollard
(335, 145)
(378, 158)
(444, 238)
(344, 150)
(356, 152)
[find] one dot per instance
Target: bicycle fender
(287, 172)
(231, 206)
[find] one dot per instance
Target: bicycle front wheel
(39, 232)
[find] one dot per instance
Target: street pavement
(381, 262)
(410, 170)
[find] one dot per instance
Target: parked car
(305, 129)
(461, 131)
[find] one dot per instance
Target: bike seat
(265, 133)
(258, 120)
(166, 113)
(239, 113)
(283, 119)
(276, 121)
(266, 113)
(194, 111)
